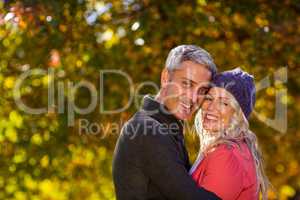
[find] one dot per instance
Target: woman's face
(217, 110)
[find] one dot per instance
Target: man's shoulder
(141, 119)
(143, 125)
(142, 116)
(139, 124)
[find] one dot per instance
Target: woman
(229, 162)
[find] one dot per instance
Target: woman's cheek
(226, 116)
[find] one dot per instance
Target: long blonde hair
(237, 131)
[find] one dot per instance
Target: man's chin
(184, 116)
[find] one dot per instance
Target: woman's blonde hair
(237, 131)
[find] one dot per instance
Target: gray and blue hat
(241, 85)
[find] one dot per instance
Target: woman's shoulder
(234, 155)
(227, 149)
(226, 164)
(233, 149)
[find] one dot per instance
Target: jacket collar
(160, 112)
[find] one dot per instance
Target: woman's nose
(211, 105)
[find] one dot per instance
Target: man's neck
(158, 97)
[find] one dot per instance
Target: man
(150, 159)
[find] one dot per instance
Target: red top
(229, 172)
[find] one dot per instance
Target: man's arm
(161, 162)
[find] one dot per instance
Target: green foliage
(41, 157)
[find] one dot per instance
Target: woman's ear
(164, 79)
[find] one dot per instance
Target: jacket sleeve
(162, 164)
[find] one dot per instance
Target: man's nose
(190, 95)
(195, 97)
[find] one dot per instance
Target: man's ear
(165, 76)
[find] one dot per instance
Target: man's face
(185, 88)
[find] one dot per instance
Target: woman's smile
(210, 117)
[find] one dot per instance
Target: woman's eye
(208, 98)
(224, 103)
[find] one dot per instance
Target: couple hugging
(150, 159)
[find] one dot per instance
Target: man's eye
(202, 91)
(186, 84)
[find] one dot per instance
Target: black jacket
(150, 159)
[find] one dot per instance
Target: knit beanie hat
(241, 85)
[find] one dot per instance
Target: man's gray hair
(192, 53)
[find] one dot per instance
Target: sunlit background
(43, 157)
